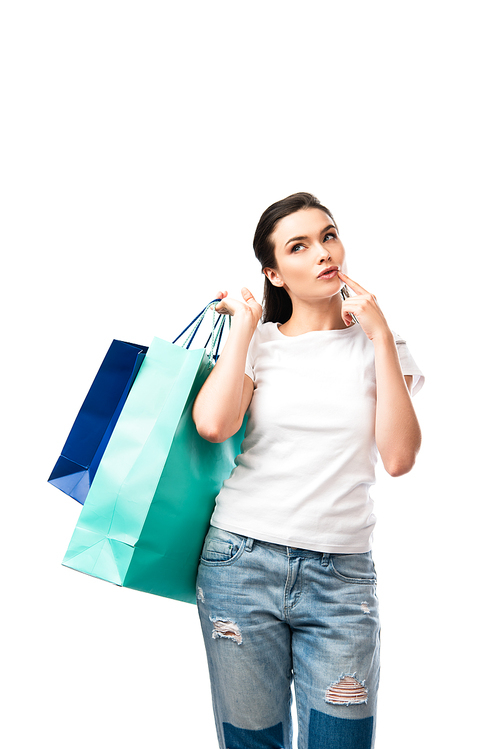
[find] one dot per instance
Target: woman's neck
(324, 314)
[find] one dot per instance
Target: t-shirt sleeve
(408, 364)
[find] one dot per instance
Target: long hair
(276, 303)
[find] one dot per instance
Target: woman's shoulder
(265, 331)
(408, 364)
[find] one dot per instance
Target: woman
(286, 582)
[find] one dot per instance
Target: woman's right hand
(250, 309)
(223, 400)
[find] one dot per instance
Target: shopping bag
(148, 510)
(75, 469)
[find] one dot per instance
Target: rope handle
(215, 334)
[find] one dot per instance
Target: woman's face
(306, 245)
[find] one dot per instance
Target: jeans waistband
(288, 551)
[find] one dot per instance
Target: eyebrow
(296, 239)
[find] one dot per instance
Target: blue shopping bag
(75, 469)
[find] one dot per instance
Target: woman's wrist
(384, 339)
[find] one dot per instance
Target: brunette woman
(286, 582)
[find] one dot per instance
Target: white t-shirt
(308, 458)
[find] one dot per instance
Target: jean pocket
(221, 547)
(354, 568)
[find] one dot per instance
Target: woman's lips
(329, 273)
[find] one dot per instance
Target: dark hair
(276, 304)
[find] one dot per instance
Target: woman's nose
(324, 253)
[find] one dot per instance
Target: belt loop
(325, 560)
(249, 544)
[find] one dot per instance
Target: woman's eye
(328, 236)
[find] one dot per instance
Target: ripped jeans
(271, 614)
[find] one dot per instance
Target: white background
(141, 141)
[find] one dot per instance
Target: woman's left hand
(364, 306)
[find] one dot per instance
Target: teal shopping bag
(147, 512)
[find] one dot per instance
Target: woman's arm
(397, 431)
(221, 404)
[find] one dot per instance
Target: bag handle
(216, 332)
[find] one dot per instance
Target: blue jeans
(272, 613)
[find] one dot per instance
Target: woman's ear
(272, 276)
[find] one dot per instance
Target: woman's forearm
(217, 410)
(397, 431)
